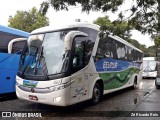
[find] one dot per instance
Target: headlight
(17, 84)
(18, 78)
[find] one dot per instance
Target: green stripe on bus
(117, 79)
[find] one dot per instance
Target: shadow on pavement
(6, 97)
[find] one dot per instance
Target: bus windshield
(45, 54)
(149, 66)
(54, 53)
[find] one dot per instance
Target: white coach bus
(149, 67)
(67, 65)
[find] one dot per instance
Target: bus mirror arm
(106, 55)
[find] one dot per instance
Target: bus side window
(78, 53)
(104, 48)
(5, 38)
(17, 46)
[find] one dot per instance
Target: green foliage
(150, 51)
(44, 8)
(135, 43)
(157, 41)
(118, 28)
(144, 14)
(28, 21)
(143, 47)
(87, 5)
(147, 51)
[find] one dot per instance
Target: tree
(157, 41)
(150, 52)
(44, 8)
(28, 21)
(144, 14)
(135, 43)
(120, 29)
(143, 48)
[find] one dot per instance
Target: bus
(66, 65)
(149, 67)
(11, 42)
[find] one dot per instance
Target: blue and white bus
(70, 64)
(11, 42)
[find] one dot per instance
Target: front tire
(134, 84)
(97, 94)
(157, 86)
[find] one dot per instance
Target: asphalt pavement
(147, 109)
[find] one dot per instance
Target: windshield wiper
(44, 67)
(41, 60)
(29, 62)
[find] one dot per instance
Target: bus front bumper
(150, 74)
(57, 98)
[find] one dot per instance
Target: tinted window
(79, 50)
(17, 46)
(103, 49)
(108, 47)
(5, 38)
(92, 34)
(90, 41)
(114, 48)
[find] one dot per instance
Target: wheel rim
(96, 94)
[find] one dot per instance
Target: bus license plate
(31, 97)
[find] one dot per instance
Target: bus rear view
(149, 67)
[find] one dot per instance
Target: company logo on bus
(30, 83)
(109, 64)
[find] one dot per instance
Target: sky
(9, 8)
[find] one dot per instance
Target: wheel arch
(135, 79)
(101, 83)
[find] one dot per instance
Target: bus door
(78, 91)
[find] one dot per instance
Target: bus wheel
(97, 94)
(157, 86)
(135, 83)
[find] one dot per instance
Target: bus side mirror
(20, 42)
(68, 40)
(79, 53)
(33, 45)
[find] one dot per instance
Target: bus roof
(59, 27)
(149, 58)
(13, 31)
